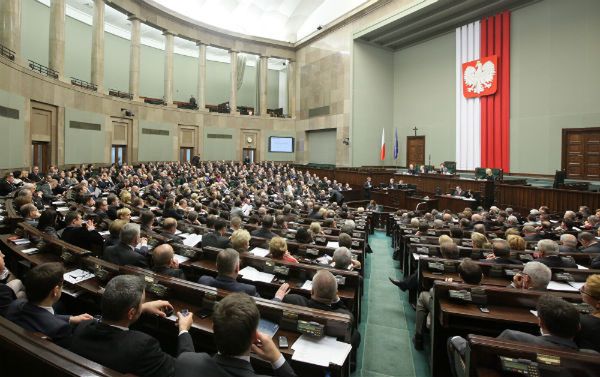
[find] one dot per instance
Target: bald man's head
(568, 240)
(324, 287)
(162, 255)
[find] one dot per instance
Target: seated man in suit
(7, 185)
(324, 296)
(392, 184)
(217, 238)
(113, 205)
(501, 253)
(411, 169)
(81, 234)
(530, 234)
(589, 243)
(458, 191)
(569, 243)
(124, 252)
(558, 321)
(30, 214)
(342, 259)
(235, 324)
(111, 343)
(535, 275)
(44, 287)
(169, 228)
(146, 221)
(228, 267)
(164, 263)
(265, 230)
(549, 255)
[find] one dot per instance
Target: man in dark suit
(367, 187)
(569, 243)
(44, 287)
(113, 205)
(7, 185)
(549, 255)
(535, 276)
(35, 175)
(324, 296)
(558, 321)
(169, 227)
(265, 230)
(235, 324)
(217, 237)
(81, 234)
(336, 196)
(392, 184)
(530, 234)
(111, 343)
(501, 253)
(7, 296)
(458, 191)
(164, 263)
(228, 267)
(589, 244)
(124, 253)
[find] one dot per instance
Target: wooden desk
(454, 203)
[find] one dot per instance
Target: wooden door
(43, 130)
(415, 150)
(581, 153)
(40, 155)
(122, 141)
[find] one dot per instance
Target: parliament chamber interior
(312, 188)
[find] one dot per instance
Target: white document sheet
(560, 286)
(307, 285)
(333, 244)
(77, 276)
(320, 351)
(251, 273)
(259, 252)
(180, 258)
(192, 240)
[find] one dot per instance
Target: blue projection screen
(279, 144)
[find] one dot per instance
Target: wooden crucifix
(415, 129)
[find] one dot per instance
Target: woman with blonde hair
(124, 214)
(588, 336)
(445, 238)
(516, 242)
(240, 240)
(315, 229)
(125, 197)
(479, 241)
(279, 250)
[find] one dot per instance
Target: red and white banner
(483, 93)
(382, 152)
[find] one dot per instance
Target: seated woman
(315, 229)
(516, 242)
(372, 206)
(124, 214)
(589, 334)
(480, 241)
(279, 251)
(240, 240)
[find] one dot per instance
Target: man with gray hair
(569, 243)
(111, 343)
(535, 275)
(342, 259)
(124, 253)
(549, 255)
(228, 267)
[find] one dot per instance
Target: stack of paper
(307, 285)
(77, 276)
(259, 252)
(33, 250)
(21, 241)
(251, 273)
(192, 240)
(325, 259)
(320, 351)
(59, 203)
(581, 267)
(333, 244)
(180, 258)
(62, 209)
(565, 287)
(104, 233)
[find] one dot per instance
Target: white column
(201, 96)
(56, 58)
(262, 85)
(291, 88)
(98, 45)
(233, 93)
(134, 58)
(168, 92)
(10, 26)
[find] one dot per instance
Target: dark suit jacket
(112, 212)
(228, 284)
(33, 318)
(567, 249)
(174, 272)
(83, 238)
(261, 232)
(202, 364)
(557, 261)
(122, 254)
(7, 295)
(539, 340)
(593, 248)
(126, 351)
(215, 240)
(595, 262)
(502, 260)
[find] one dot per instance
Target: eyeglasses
(582, 290)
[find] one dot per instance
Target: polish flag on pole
(382, 156)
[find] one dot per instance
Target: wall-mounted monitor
(279, 144)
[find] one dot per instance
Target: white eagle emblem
(479, 78)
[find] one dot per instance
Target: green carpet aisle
(387, 324)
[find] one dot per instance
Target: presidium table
(408, 199)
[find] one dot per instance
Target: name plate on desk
(563, 276)
(312, 251)
(423, 250)
(311, 328)
(415, 239)
(341, 280)
(281, 270)
(438, 266)
(431, 232)
(463, 294)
